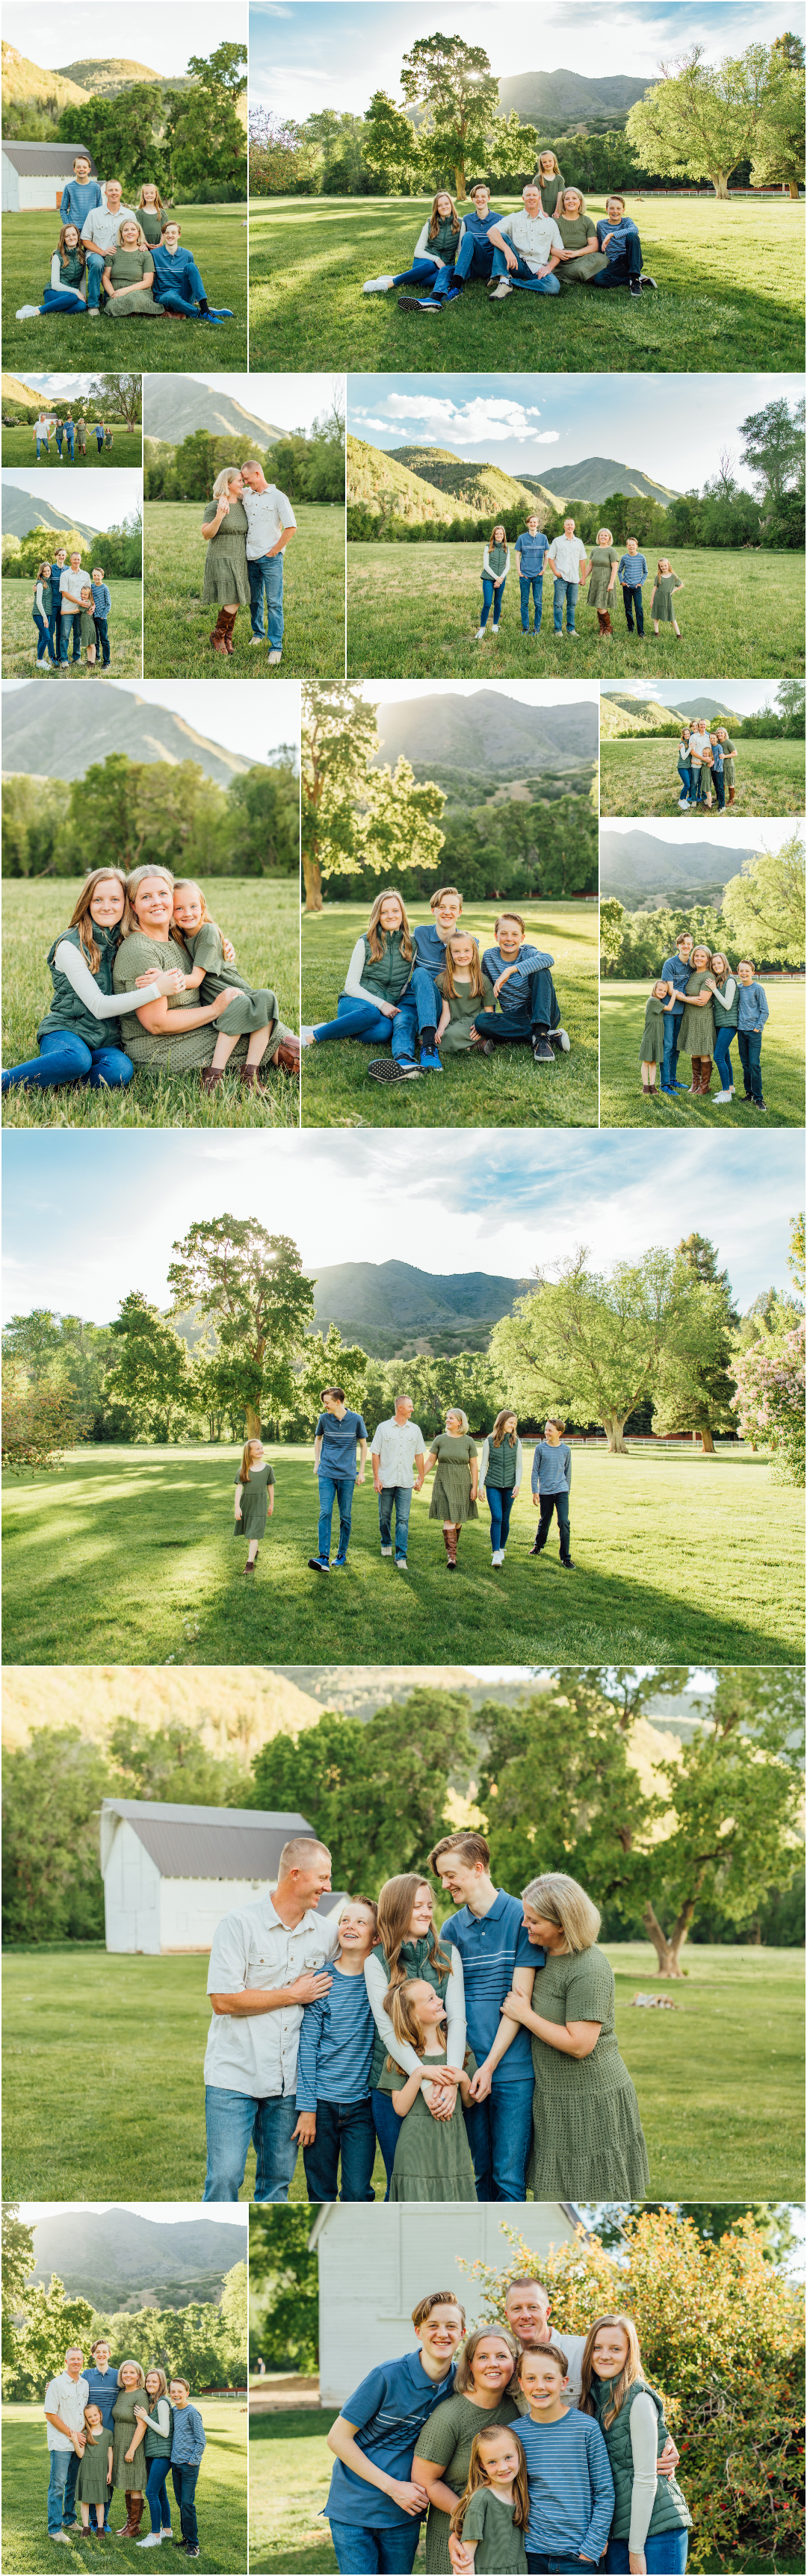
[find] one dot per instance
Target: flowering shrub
(770, 1399)
(722, 2339)
(282, 159)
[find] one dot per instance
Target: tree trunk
(668, 1952)
(459, 182)
(791, 188)
(253, 1422)
(313, 885)
(707, 1444)
(720, 182)
(614, 1429)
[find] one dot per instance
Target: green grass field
(20, 637)
(19, 449)
(217, 236)
(504, 1090)
(260, 915)
(622, 1010)
(640, 776)
(221, 2497)
(126, 1555)
(413, 612)
(177, 627)
(730, 283)
(735, 2039)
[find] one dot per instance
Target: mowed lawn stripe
(217, 237)
(641, 777)
(622, 1014)
(177, 627)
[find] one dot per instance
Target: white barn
(171, 1873)
(375, 2263)
(34, 175)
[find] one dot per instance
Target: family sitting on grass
(427, 990)
(140, 976)
(70, 602)
(133, 259)
(706, 760)
(481, 2059)
(71, 434)
(696, 1007)
(523, 2447)
(400, 1467)
(548, 241)
(114, 2427)
(566, 558)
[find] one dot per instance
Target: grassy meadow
(177, 627)
(221, 2495)
(730, 280)
(413, 613)
(126, 1555)
(622, 1011)
(735, 2037)
(503, 1090)
(19, 448)
(640, 776)
(20, 637)
(63, 342)
(260, 915)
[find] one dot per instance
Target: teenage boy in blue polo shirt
(373, 2506)
(490, 1934)
(531, 551)
(675, 970)
(338, 1434)
(618, 237)
(474, 257)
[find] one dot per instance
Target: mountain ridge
(117, 2258)
(23, 510)
(538, 96)
(485, 733)
(396, 1310)
(374, 472)
(644, 873)
(45, 741)
(596, 478)
(174, 406)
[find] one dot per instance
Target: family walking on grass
(72, 435)
(525, 2449)
(566, 558)
(427, 991)
(71, 603)
(400, 1465)
(697, 1006)
(143, 980)
(128, 262)
(109, 2427)
(481, 2059)
(548, 242)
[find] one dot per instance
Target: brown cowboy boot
(706, 1075)
(696, 1074)
(220, 631)
(451, 1536)
(288, 1055)
(732, 794)
(135, 2503)
(230, 615)
(250, 1077)
(211, 1076)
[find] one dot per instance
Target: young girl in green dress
(651, 1052)
(252, 1013)
(150, 211)
(95, 2468)
(254, 1498)
(661, 605)
(432, 2157)
(465, 990)
(492, 2516)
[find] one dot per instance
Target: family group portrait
(734, 750)
(445, 1448)
(124, 192)
(86, 423)
(701, 997)
(244, 490)
(137, 992)
(72, 586)
(525, 2396)
(125, 2383)
(665, 538)
(428, 1001)
(404, 182)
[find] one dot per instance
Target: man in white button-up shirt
(527, 247)
(99, 233)
(65, 2399)
(266, 1962)
(567, 562)
(398, 1464)
(272, 524)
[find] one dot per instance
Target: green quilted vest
(670, 2511)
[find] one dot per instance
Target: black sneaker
(568, 1565)
(409, 303)
(636, 286)
(316, 1567)
(759, 1104)
(541, 1049)
(389, 1068)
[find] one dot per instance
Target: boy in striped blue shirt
(333, 2069)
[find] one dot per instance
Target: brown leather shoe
(249, 1077)
(212, 1075)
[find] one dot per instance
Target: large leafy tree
(460, 131)
(17, 2266)
(52, 1792)
(558, 1790)
(150, 1371)
(779, 140)
(591, 1346)
(376, 1792)
(735, 1796)
(702, 118)
(122, 393)
(53, 2319)
(284, 2289)
(252, 1286)
(205, 143)
(774, 446)
(696, 1381)
(763, 907)
(357, 817)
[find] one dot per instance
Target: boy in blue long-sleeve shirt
(334, 2058)
(551, 1483)
(188, 2444)
(178, 283)
(675, 970)
(752, 1012)
(521, 975)
(631, 572)
(102, 603)
(81, 194)
(617, 236)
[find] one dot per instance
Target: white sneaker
(152, 2541)
(28, 313)
(307, 1037)
(718, 1097)
(479, 637)
(257, 639)
(559, 1037)
(377, 285)
(496, 1558)
(499, 292)
(275, 657)
(386, 1551)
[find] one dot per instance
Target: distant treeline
(154, 811)
(707, 519)
(188, 140)
(120, 550)
(306, 469)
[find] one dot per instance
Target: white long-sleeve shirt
(56, 281)
(105, 1006)
(378, 1988)
(483, 1463)
(644, 2446)
(159, 2416)
(486, 567)
(353, 984)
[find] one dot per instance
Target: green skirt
(432, 2158)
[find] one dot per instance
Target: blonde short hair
(149, 868)
(563, 1901)
(124, 227)
(455, 1414)
(131, 2364)
(224, 479)
(604, 537)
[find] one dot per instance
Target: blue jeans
(665, 2554)
(232, 2119)
(183, 2480)
(492, 598)
(723, 1057)
(539, 2565)
(266, 575)
(45, 645)
(553, 1503)
(71, 625)
(157, 2494)
(422, 274)
(42, 442)
(68, 1059)
(539, 1010)
(346, 2129)
(499, 2136)
(718, 784)
(99, 440)
(338, 1490)
(672, 1032)
(387, 2128)
(96, 263)
(629, 264)
(355, 1019)
(632, 595)
(61, 299)
(474, 259)
(500, 1504)
(749, 1042)
(102, 639)
(696, 771)
(184, 297)
(565, 590)
(401, 1497)
(523, 276)
(531, 581)
(69, 435)
(418, 1009)
(685, 775)
(59, 2463)
(362, 2551)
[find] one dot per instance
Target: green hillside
(376, 480)
(439, 486)
(475, 487)
(626, 715)
(25, 85)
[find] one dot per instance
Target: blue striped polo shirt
(570, 2484)
(336, 2045)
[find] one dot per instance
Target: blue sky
(159, 37)
(318, 53)
(88, 1217)
(669, 427)
(102, 504)
(745, 697)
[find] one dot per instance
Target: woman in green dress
(407, 1947)
(464, 990)
(587, 2134)
(485, 2393)
(432, 2157)
(179, 1037)
(456, 1458)
(603, 570)
(254, 1498)
(661, 605)
(129, 277)
(696, 1036)
(129, 2469)
(225, 530)
(583, 258)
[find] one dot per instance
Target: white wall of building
(25, 193)
(191, 1909)
(131, 1894)
(374, 2264)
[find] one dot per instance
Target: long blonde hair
(91, 2432)
(80, 917)
(243, 1472)
(563, 1901)
(158, 203)
(554, 173)
(395, 1904)
(375, 935)
(154, 2372)
(436, 220)
(447, 983)
(150, 868)
(179, 882)
(403, 2016)
(479, 2477)
(631, 2371)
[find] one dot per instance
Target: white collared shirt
(67, 2397)
(268, 513)
(257, 2053)
(101, 229)
(396, 1445)
(71, 585)
(533, 235)
(567, 555)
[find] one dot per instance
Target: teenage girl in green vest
(648, 2535)
(379, 970)
(80, 1035)
(436, 247)
(495, 568)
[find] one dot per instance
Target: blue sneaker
(430, 1063)
(319, 1565)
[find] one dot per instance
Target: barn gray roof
(46, 160)
(208, 1842)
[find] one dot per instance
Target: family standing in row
(569, 563)
(121, 2427)
(428, 991)
(70, 603)
(706, 759)
(696, 1007)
